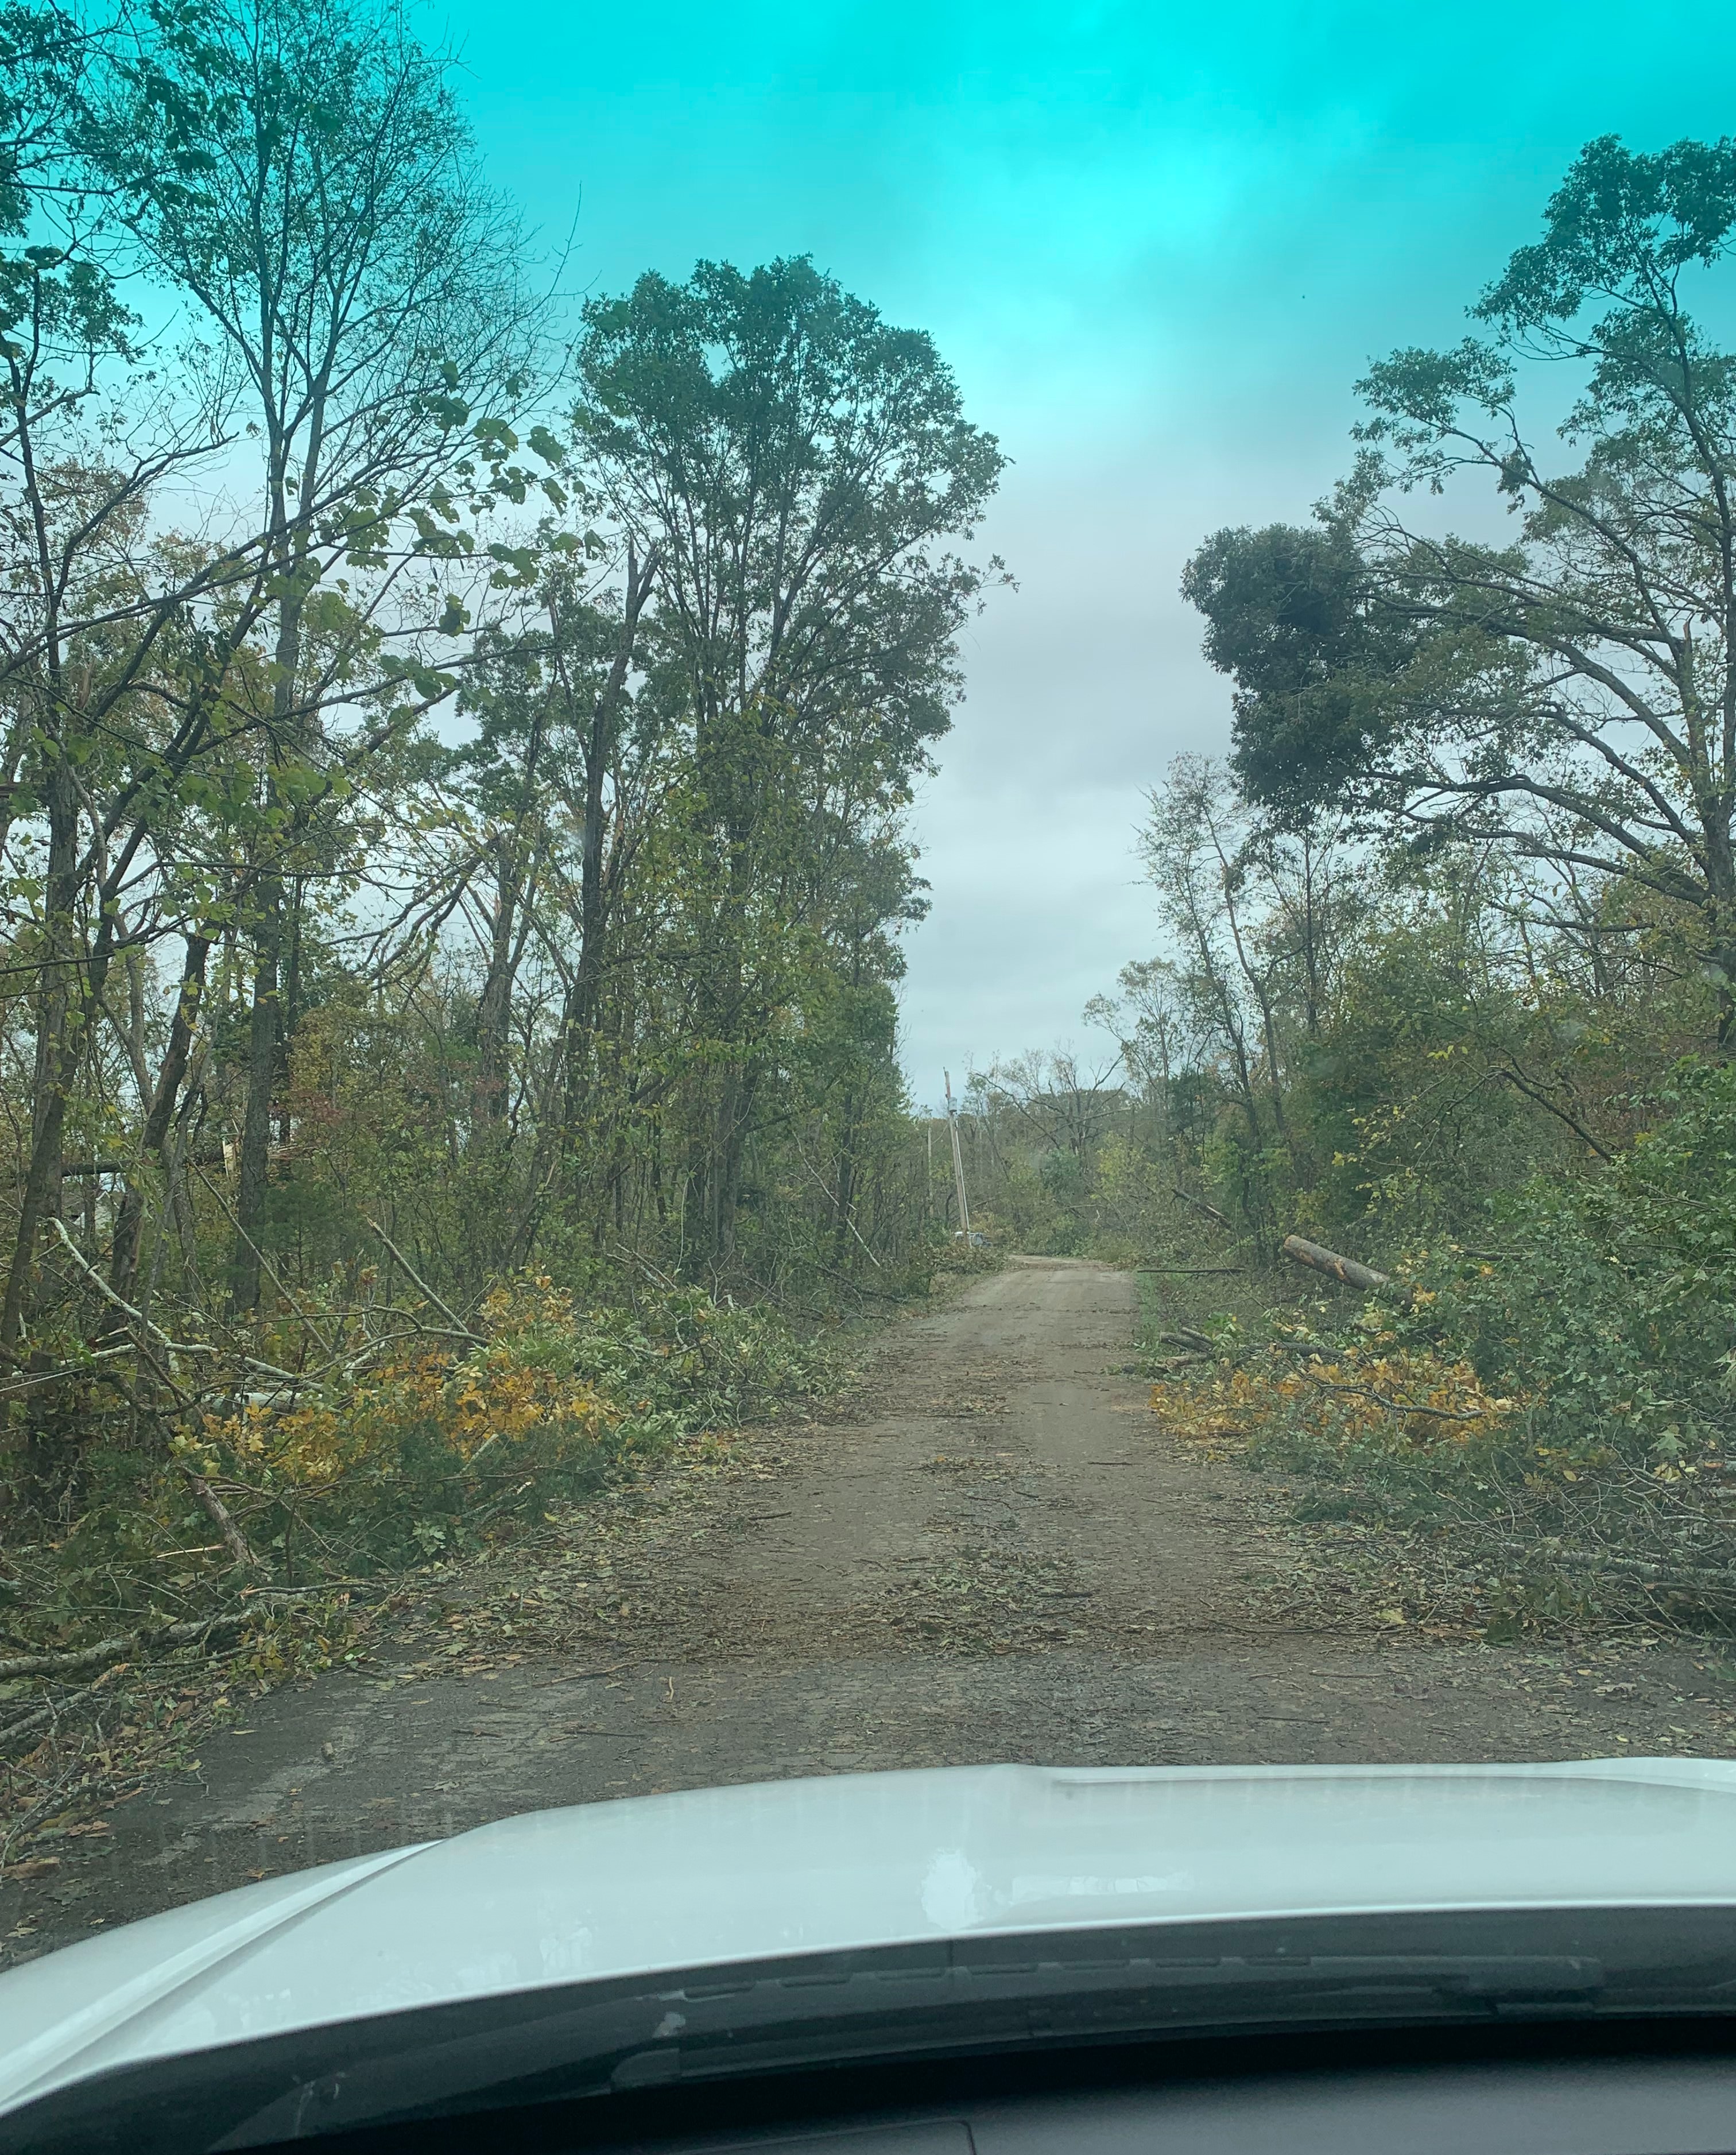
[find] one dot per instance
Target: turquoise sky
(1157, 244)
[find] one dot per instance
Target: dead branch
(27, 1723)
(265, 1263)
(1639, 1567)
(220, 1517)
(1532, 1093)
(67, 1371)
(127, 1644)
(107, 1651)
(879, 1294)
(451, 1315)
(195, 1348)
(1200, 1204)
(1392, 1405)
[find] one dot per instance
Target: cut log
(1346, 1270)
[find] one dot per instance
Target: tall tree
(89, 600)
(1572, 695)
(300, 169)
(802, 472)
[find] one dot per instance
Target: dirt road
(1001, 1554)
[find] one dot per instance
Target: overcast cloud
(1158, 245)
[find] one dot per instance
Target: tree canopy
(454, 768)
(1571, 692)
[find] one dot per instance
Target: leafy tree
(93, 608)
(1572, 695)
(313, 1026)
(800, 471)
(302, 173)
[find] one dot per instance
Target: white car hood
(678, 1881)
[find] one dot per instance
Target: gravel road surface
(999, 1554)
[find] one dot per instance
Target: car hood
(655, 1883)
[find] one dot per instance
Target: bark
(580, 1018)
(290, 544)
(53, 1074)
(1346, 1270)
(493, 1008)
(1721, 954)
(59, 1046)
(262, 1059)
(265, 1030)
(44, 1448)
(289, 1002)
(130, 1226)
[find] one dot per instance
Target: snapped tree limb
(1344, 1270)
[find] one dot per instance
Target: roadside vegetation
(1446, 969)
(454, 752)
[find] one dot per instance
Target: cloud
(1158, 245)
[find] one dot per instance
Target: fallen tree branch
(124, 1646)
(1392, 1405)
(451, 1315)
(856, 1286)
(320, 1586)
(269, 1269)
(1200, 1204)
(68, 1663)
(68, 1370)
(27, 1723)
(1531, 1092)
(156, 1331)
(220, 1517)
(121, 1648)
(645, 1265)
(1634, 1567)
(1344, 1270)
(837, 1207)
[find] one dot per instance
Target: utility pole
(957, 1158)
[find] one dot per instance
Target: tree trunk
(842, 1235)
(44, 1460)
(725, 1168)
(1346, 1270)
(262, 1057)
(265, 1034)
(130, 1226)
(57, 1049)
(493, 1008)
(579, 1019)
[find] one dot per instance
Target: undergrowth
(341, 1494)
(419, 1457)
(1548, 1419)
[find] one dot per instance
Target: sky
(1157, 244)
